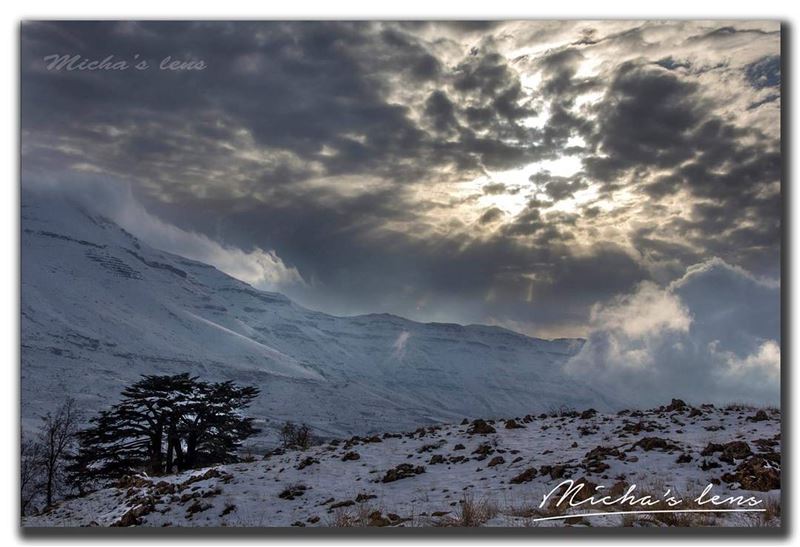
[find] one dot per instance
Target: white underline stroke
(651, 512)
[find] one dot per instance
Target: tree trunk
(170, 449)
(156, 459)
(49, 494)
(179, 459)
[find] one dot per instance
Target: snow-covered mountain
(99, 308)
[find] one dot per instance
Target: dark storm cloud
(559, 70)
(558, 188)
(327, 142)
(491, 215)
(657, 133)
(438, 279)
(645, 121)
(441, 112)
(294, 87)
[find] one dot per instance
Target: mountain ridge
(100, 307)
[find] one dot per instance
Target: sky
(614, 180)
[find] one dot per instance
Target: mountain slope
(99, 308)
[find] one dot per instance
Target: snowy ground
(453, 475)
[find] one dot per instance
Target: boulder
(480, 427)
(526, 476)
(402, 471)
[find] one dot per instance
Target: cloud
(713, 335)
(261, 268)
(491, 215)
(765, 72)
(399, 345)
(364, 157)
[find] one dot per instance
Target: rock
(728, 477)
(526, 476)
(485, 449)
(711, 448)
(588, 413)
(164, 488)
(351, 456)
(545, 469)
(637, 427)
(435, 459)
(338, 504)
(212, 473)
(292, 492)
(593, 460)
(558, 471)
(497, 460)
(734, 450)
(362, 497)
(377, 519)
(684, 458)
(766, 444)
(601, 453)
(655, 443)
(402, 471)
(480, 427)
(676, 405)
(759, 416)
(133, 481)
(197, 507)
(133, 516)
(512, 424)
(758, 474)
(306, 462)
(459, 446)
(705, 465)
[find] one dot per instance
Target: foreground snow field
(492, 473)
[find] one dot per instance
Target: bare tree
(296, 437)
(30, 473)
(55, 437)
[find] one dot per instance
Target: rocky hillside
(478, 473)
(99, 308)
